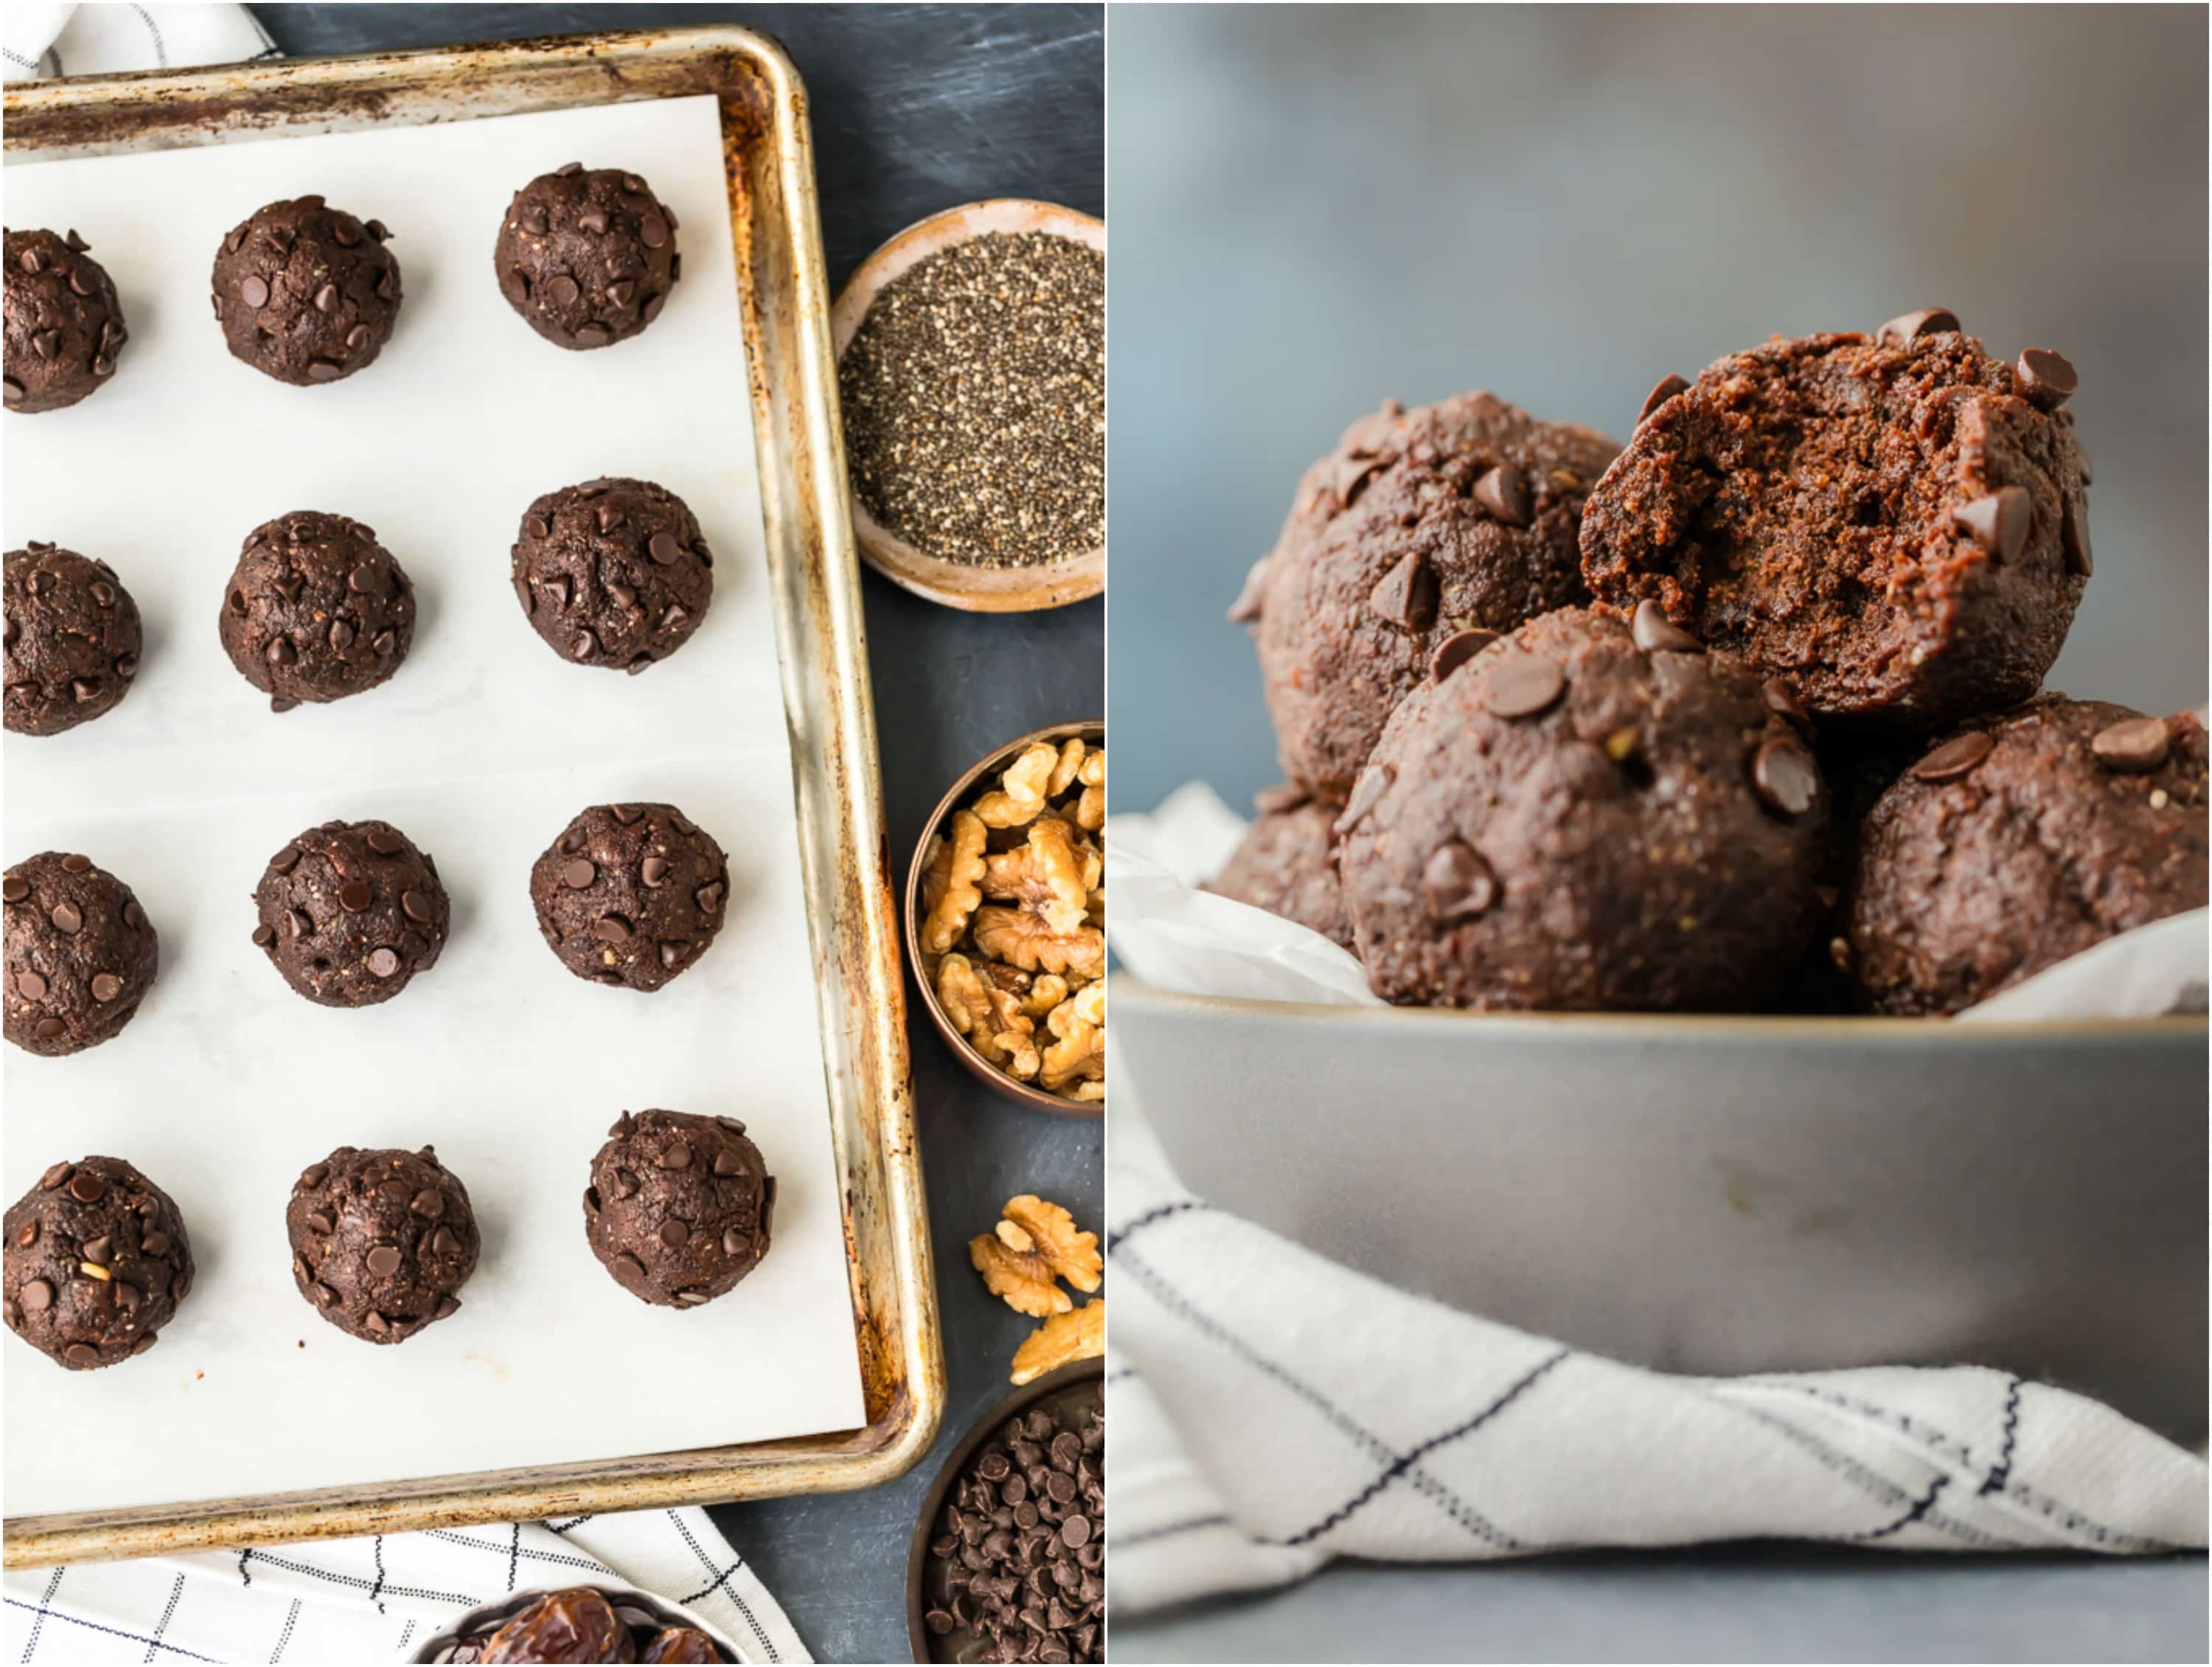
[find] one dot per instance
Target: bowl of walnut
(1006, 918)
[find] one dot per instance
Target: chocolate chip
(354, 896)
(153, 1244)
(1785, 776)
(55, 1175)
(383, 961)
(1668, 388)
(280, 652)
(584, 647)
(324, 370)
(1521, 684)
(448, 1307)
(653, 231)
(1910, 328)
(675, 1234)
(672, 951)
(415, 907)
(1998, 523)
(86, 1187)
(2046, 378)
(81, 1355)
(1783, 702)
(47, 1029)
(708, 898)
(1458, 884)
(254, 292)
(31, 987)
(677, 1156)
(612, 929)
(67, 917)
(301, 922)
(320, 1221)
(1245, 610)
(662, 548)
(1373, 782)
(384, 1260)
(1657, 634)
(2133, 744)
(2074, 536)
(13, 890)
(1503, 491)
(106, 987)
(1955, 758)
(37, 1297)
(445, 1242)
(579, 874)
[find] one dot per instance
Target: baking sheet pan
(524, 1098)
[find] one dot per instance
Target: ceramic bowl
(629, 1603)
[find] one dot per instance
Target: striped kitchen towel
(380, 1598)
(1272, 1410)
(43, 40)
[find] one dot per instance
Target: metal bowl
(956, 585)
(1077, 1387)
(627, 1601)
(1093, 732)
(1721, 1195)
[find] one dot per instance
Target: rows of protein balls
(612, 573)
(349, 913)
(306, 293)
(678, 1210)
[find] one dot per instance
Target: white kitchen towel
(100, 39)
(1272, 1410)
(333, 1603)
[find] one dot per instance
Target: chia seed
(974, 401)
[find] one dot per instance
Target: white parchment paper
(1175, 936)
(485, 743)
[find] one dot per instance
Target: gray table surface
(915, 108)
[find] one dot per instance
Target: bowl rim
(1036, 1099)
(1073, 578)
(1724, 1028)
(1023, 1398)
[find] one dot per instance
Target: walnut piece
(1063, 772)
(1022, 789)
(1050, 1232)
(1079, 1023)
(1091, 809)
(1077, 1335)
(951, 884)
(1023, 939)
(1045, 874)
(990, 1017)
(1046, 991)
(1023, 1279)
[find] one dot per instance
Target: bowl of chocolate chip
(1011, 1547)
(1006, 918)
(579, 1623)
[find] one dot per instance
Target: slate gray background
(1319, 207)
(915, 108)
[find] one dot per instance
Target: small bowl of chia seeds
(971, 376)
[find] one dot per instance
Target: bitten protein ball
(1895, 523)
(1420, 525)
(80, 954)
(350, 912)
(381, 1241)
(1586, 814)
(97, 1262)
(2023, 838)
(316, 610)
(64, 325)
(613, 573)
(305, 292)
(73, 640)
(630, 894)
(679, 1206)
(587, 257)
(1287, 864)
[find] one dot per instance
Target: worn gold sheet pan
(768, 163)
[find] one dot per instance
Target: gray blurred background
(1314, 208)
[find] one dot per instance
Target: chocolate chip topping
(1657, 634)
(1911, 327)
(381, 1239)
(2133, 744)
(2046, 378)
(1665, 389)
(1520, 684)
(1785, 776)
(1955, 759)
(1999, 523)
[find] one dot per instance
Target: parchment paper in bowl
(482, 747)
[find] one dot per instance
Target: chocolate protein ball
(613, 573)
(381, 1241)
(305, 292)
(81, 954)
(349, 913)
(1895, 523)
(1287, 864)
(1420, 525)
(316, 610)
(587, 257)
(630, 894)
(64, 325)
(679, 1208)
(1586, 814)
(73, 640)
(97, 1262)
(2021, 839)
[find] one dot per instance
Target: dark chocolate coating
(380, 1241)
(73, 640)
(1420, 524)
(350, 912)
(630, 894)
(306, 293)
(1798, 505)
(64, 325)
(612, 573)
(587, 257)
(316, 610)
(80, 954)
(679, 1208)
(97, 1261)
(1287, 866)
(1569, 820)
(1970, 882)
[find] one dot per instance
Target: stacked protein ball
(1745, 714)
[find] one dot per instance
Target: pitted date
(576, 1625)
(681, 1644)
